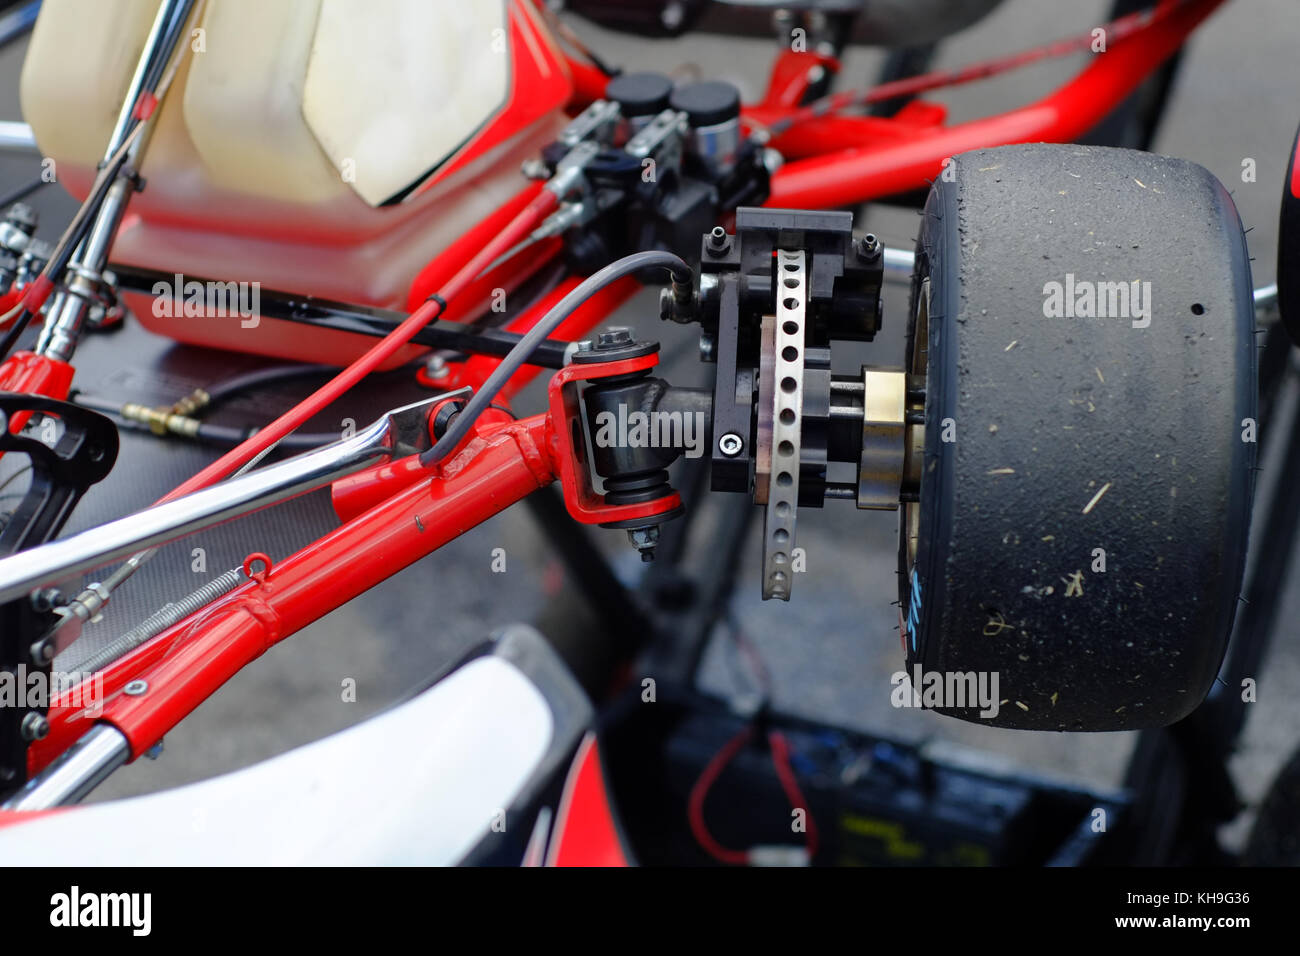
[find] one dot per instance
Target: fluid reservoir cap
(640, 94)
(707, 104)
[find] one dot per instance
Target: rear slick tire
(1081, 529)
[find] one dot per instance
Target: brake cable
(145, 107)
(518, 356)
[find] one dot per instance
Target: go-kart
(1069, 437)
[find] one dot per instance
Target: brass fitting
(161, 421)
(195, 401)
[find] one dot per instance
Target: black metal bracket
(81, 451)
(442, 334)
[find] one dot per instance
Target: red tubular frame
(840, 160)
(857, 175)
(189, 661)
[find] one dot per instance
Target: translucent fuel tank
(326, 147)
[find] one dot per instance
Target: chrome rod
(402, 430)
(1266, 312)
(899, 264)
(17, 137)
(71, 304)
(163, 40)
(75, 772)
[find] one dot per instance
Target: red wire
(515, 232)
(785, 773)
(781, 760)
(695, 806)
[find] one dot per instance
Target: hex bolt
(135, 688)
(436, 367)
(584, 345)
(730, 444)
(34, 727)
(644, 540)
(614, 337)
(43, 652)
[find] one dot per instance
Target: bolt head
(614, 337)
(34, 727)
(644, 540)
(135, 688)
(47, 598)
(730, 444)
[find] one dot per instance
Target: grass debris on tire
(1083, 321)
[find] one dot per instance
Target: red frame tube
(857, 175)
(189, 661)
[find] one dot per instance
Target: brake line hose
(523, 349)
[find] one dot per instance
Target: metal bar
(68, 311)
(504, 465)
(899, 264)
(164, 36)
(1266, 311)
(17, 137)
(59, 560)
(75, 772)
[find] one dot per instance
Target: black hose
(222, 436)
(259, 378)
(520, 354)
(227, 436)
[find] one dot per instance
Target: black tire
(1051, 414)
